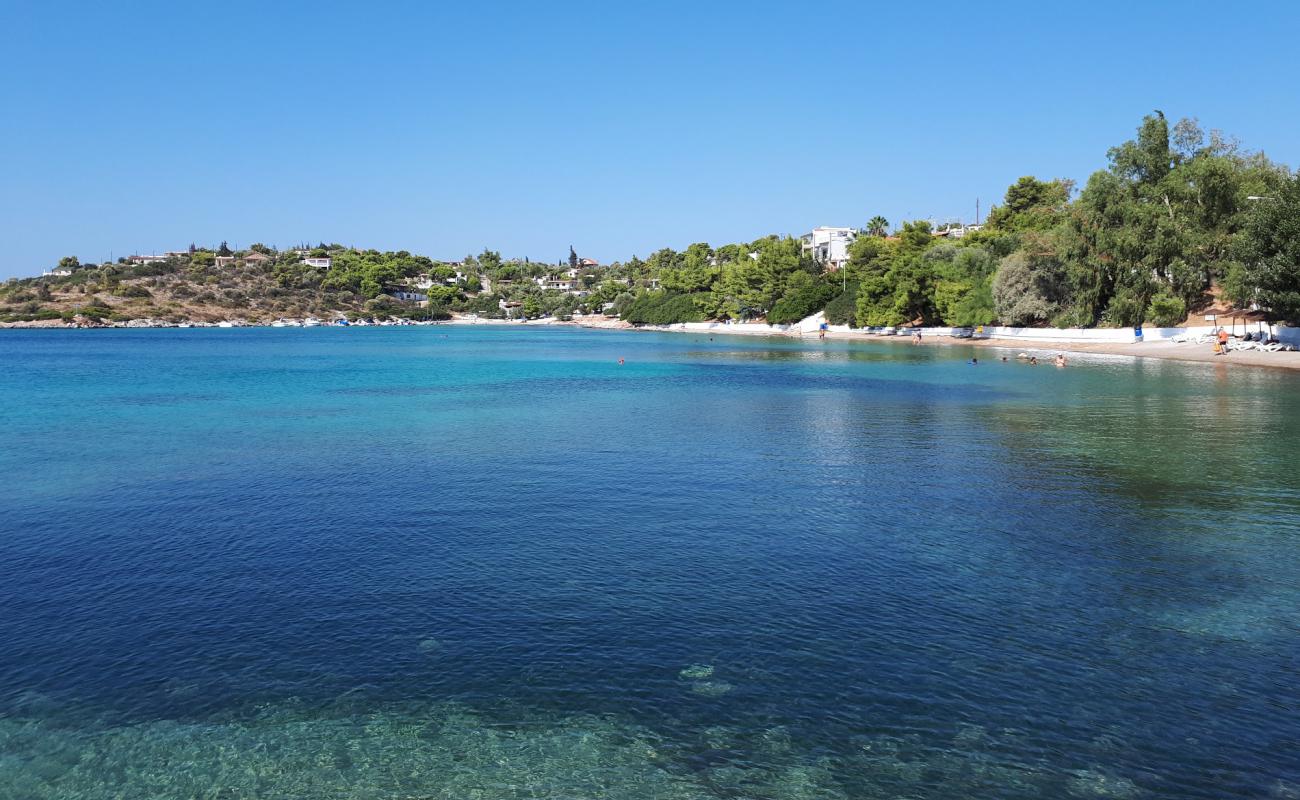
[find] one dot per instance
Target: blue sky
(620, 128)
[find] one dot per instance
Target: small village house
(407, 294)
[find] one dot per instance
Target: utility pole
(977, 211)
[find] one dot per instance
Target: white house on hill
(829, 246)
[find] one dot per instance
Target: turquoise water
(494, 563)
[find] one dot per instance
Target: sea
(476, 562)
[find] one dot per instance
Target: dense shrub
(801, 303)
(1165, 310)
(842, 310)
(99, 311)
(43, 314)
(661, 308)
(1124, 309)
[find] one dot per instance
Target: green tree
(868, 257)
(1266, 270)
(877, 226)
(962, 278)
(1161, 220)
(690, 272)
(1031, 204)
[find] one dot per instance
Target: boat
(311, 322)
(225, 323)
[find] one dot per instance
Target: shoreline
(1187, 352)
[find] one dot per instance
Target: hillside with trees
(1177, 219)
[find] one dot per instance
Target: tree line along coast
(1179, 220)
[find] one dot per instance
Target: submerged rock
(711, 688)
(696, 672)
(1095, 783)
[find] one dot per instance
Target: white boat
(310, 322)
(279, 323)
(183, 325)
(225, 323)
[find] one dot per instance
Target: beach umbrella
(1246, 315)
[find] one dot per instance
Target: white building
(408, 295)
(829, 246)
(957, 231)
(569, 284)
(154, 259)
(321, 261)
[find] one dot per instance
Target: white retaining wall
(732, 327)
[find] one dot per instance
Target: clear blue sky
(443, 128)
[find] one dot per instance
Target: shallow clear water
(493, 563)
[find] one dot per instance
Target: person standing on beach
(1223, 342)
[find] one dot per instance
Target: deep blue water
(483, 562)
